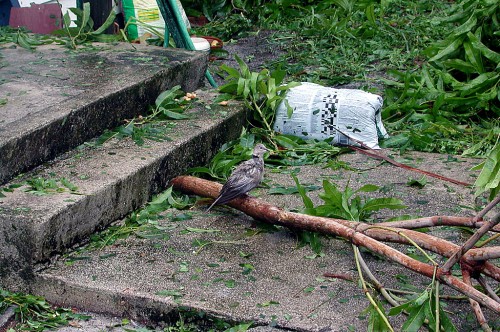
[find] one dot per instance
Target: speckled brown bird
(244, 178)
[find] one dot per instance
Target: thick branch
(271, 214)
(475, 306)
(472, 240)
(437, 221)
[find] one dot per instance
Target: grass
(397, 49)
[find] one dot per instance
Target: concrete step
(56, 99)
(246, 273)
(112, 180)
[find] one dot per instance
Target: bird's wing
(243, 179)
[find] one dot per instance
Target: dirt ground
(256, 50)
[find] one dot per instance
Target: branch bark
(359, 234)
(437, 221)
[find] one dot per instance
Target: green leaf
(375, 320)
(168, 95)
(175, 115)
(370, 14)
(290, 190)
(399, 309)
(200, 230)
(109, 21)
(416, 318)
(483, 49)
(489, 178)
(245, 72)
(65, 182)
(86, 16)
(286, 142)
(446, 322)
(376, 204)
(175, 293)
(448, 50)
(420, 183)
(253, 82)
(473, 56)
(267, 304)
(67, 20)
(461, 65)
(302, 192)
(430, 315)
(278, 76)
(241, 86)
(232, 72)
(465, 28)
(368, 188)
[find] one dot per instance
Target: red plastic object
(37, 18)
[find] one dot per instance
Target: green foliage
(342, 205)
(168, 106)
(70, 36)
(293, 151)
(33, 313)
(42, 186)
(346, 205)
(418, 183)
(84, 30)
(227, 28)
(261, 92)
(489, 178)
(375, 321)
(21, 37)
(446, 105)
(144, 222)
(424, 309)
(228, 156)
(460, 83)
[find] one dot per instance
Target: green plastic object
(128, 9)
(175, 25)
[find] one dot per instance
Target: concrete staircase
(58, 99)
(219, 266)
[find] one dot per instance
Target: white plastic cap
(200, 44)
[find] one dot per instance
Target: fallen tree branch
(374, 154)
(437, 221)
(475, 237)
(346, 229)
(488, 289)
(475, 306)
(378, 155)
(377, 284)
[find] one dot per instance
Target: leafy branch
(84, 29)
(473, 261)
(261, 92)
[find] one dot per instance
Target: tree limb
(271, 214)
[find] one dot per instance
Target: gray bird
(244, 178)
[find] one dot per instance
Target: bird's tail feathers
(212, 205)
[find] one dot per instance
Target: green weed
(445, 106)
(261, 92)
(169, 106)
(41, 186)
(84, 29)
(33, 313)
(143, 223)
(346, 204)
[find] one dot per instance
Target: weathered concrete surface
(112, 181)
(56, 98)
(226, 266)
